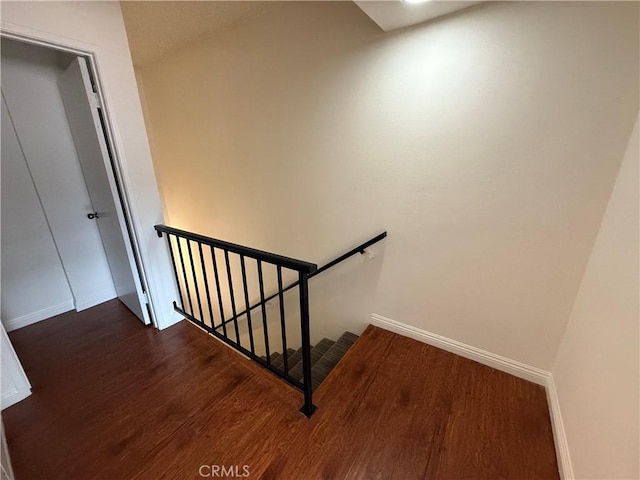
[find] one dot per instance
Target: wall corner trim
(562, 447)
(508, 365)
(169, 320)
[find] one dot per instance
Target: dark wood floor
(114, 400)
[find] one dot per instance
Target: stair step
(273, 355)
(279, 362)
(331, 358)
(324, 357)
(294, 360)
(316, 354)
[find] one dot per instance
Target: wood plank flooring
(115, 400)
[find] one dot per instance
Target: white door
(15, 385)
(44, 175)
(86, 127)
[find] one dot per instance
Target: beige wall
(487, 143)
(98, 27)
(596, 372)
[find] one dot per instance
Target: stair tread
(279, 362)
(331, 358)
(316, 354)
(294, 360)
(347, 338)
(324, 357)
(273, 355)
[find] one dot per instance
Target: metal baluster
(282, 323)
(206, 285)
(305, 271)
(195, 281)
(308, 408)
(233, 300)
(264, 313)
(175, 270)
(246, 302)
(184, 274)
(215, 274)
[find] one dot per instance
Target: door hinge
(96, 100)
(145, 298)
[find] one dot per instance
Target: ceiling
(155, 28)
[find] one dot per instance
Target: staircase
(208, 270)
(324, 356)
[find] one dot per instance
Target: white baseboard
(508, 365)
(498, 362)
(562, 447)
(93, 300)
(169, 320)
(13, 396)
(31, 318)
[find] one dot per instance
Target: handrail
(287, 262)
(359, 249)
(184, 242)
(189, 249)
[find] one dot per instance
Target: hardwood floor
(115, 400)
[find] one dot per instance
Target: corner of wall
(169, 320)
(513, 367)
(609, 261)
(565, 466)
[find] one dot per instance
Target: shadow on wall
(342, 297)
(478, 135)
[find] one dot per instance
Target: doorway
(67, 241)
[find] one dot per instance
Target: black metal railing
(206, 289)
(359, 249)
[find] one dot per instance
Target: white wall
(596, 373)
(30, 87)
(97, 27)
(34, 285)
(487, 143)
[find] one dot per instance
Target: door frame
(122, 196)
